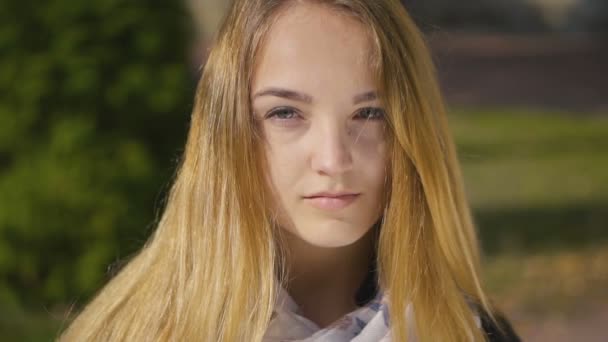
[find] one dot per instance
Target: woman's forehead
(314, 46)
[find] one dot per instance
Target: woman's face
(314, 98)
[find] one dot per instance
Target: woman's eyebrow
(365, 97)
(284, 93)
(302, 97)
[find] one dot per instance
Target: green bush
(94, 102)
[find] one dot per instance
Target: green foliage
(94, 101)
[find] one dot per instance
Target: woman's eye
(282, 114)
(370, 113)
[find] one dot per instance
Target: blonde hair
(208, 272)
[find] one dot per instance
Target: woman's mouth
(331, 202)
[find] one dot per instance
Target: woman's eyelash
(367, 113)
(370, 113)
(281, 113)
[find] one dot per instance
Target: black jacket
(503, 332)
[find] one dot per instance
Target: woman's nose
(331, 149)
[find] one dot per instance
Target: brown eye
(370, 113)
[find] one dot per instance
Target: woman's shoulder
(499, 331)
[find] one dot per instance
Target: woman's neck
(324, 281)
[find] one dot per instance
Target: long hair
(209, 271)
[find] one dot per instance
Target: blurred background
(95, 98)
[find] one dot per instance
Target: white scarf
(369, 323)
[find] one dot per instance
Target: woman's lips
(331, 203)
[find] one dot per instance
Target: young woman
(319, 197)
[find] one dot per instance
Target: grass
(550, 283)
(532, 159)
(538, 185)
(535, 179)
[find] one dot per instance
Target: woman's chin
(331, 234)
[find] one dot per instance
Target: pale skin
(314, 96)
